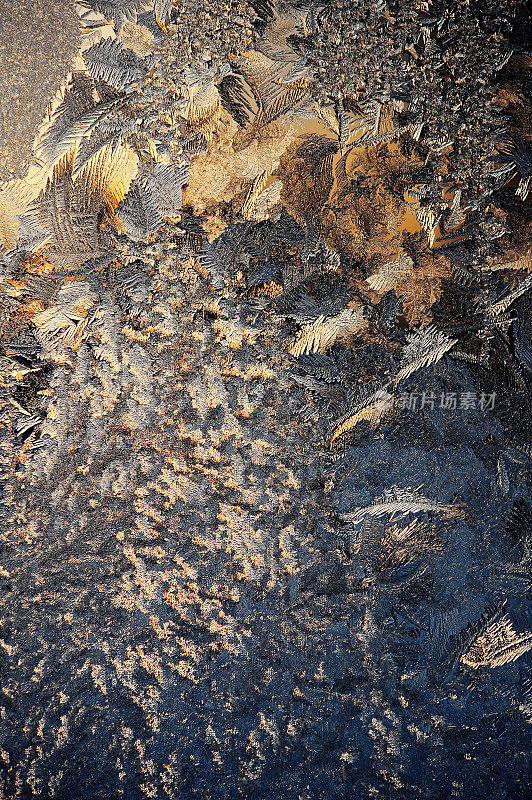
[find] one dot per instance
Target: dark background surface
(38, 40)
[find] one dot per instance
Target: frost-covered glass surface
(265, 371)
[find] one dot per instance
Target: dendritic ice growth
(265, 373)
